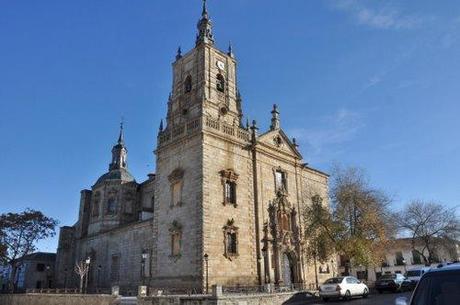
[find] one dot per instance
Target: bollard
(142, 291)
(216, 290)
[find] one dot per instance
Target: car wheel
(347, 296)
(365, 293)
(325, 299)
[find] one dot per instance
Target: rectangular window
(280, 181)
(115, 268)
(231, 243)
(416, 258)
(230, 192)
(176, 193)
(175, 244)
(343, 261)
(40, 267)
(361, 275)
(399, 259)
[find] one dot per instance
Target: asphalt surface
(373, 299)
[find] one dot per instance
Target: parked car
(345, 287)
(438, 286)
(413, 276)
(390, 282)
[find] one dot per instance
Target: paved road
(373, 299)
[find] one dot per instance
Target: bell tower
(204, 81)
(204, 111)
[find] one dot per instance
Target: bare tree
(81, 268)
(430, 225)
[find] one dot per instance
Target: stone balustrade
(207, 123)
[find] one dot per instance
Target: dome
(116, 174)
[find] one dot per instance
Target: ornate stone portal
(282, 243)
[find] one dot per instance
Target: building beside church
(224, 205)
(401, 257)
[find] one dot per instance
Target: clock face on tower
(220, 65)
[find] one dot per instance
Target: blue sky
(373, 84)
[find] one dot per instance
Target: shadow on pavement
(301, 298)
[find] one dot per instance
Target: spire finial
(161, 125)
(230, 49)
(254, 129)
(179, 53)
(121, 137)
(204, 13)
(204, 27)
(119, 151)
(275, 118)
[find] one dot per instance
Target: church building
(224, 206)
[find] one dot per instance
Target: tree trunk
(11, 281)
(81, 284)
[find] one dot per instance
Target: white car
(344, 287)
(415, 274)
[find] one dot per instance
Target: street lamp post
(88, 261)
(332, 267)
(65, 278)
(264, 255)
(144, 258)
(206, 258)
(98, 276)
(48, 277)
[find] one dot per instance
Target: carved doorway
(287, 268)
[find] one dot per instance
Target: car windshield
(388, 277)
(442, 289)
(334, 280)
(413, 273)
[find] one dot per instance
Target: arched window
(111, 206)
(220, 83)
(188, 84)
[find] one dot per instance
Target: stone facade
(224, 206)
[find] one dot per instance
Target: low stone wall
(56, 299)
(251, 299)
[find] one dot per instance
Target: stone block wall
(56, 299)
(224, 155)
(183, 158)
(255, 299)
